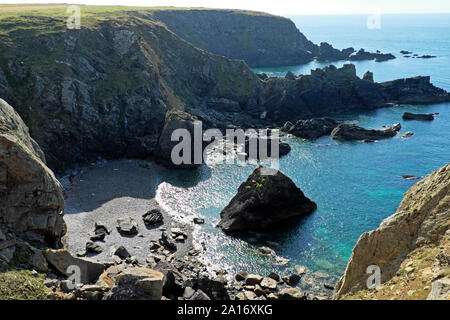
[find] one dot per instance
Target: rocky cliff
(421, 223)
(260, 39)
(104, 90)
(31, 201)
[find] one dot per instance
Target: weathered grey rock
(291, 294)
(31, 200)
(292, 279)
(421, 219)
(178, 120)
(269, 283)
(153, 217)
(137, 283)
(167, 241)
(440, 290)
(127, 226)
(93, 247)
(214, 289)
(407, 134)
(351, 132)
(61, 260)
(122, 252)
(100, 232)
(313, 128)
(267, 197)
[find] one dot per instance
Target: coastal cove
(356, 185)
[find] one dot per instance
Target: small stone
(122, 252)
(153, 217)
(274, 276)
(127, 226)
(199, 220)
(266, 251)
(301, 269)
(93, 247)
(269, 283)
(241, 275)
(292, 279)
(253, 279)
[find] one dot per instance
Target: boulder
(214, 289)
(268, 283)
(62, 259)
(177, 119)
(127, 226)
(93, 247)
(31, 199)
(122, 252)
(137, 283)
(418, 116)
(351, 132)
(313, 128)
(266, 198)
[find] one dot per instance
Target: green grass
(22, 284)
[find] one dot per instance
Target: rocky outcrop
(266, 198)
(312, 129)
(364, 55)
(418, 116)
(421, 219)
(175, 120)
(31, 200)
(351, 132)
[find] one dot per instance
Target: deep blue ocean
(355, 185)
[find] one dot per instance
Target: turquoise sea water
(355, 185)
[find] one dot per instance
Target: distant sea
(355, 185)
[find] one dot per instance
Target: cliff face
(421, 222)
(261, 40)
(31, 201)
(104, 90)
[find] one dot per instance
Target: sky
(283, 7)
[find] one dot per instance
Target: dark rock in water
(417, 116)
(256, 142)
(364, 55)
(410, 177)
(93, 247)
(407, 134)
(353, 132)
(199, 220)
(176, 119)
(127, 226)
(368, 76)
(426, 56)
(313, 128)
(326, 52)
(405, 52)
(267, 197)
(153, 217)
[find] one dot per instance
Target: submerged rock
(417, 116)
(353, 132)
(267, 197)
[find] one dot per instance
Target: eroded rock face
(267, 197)
(421, 219)
(32, 204)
